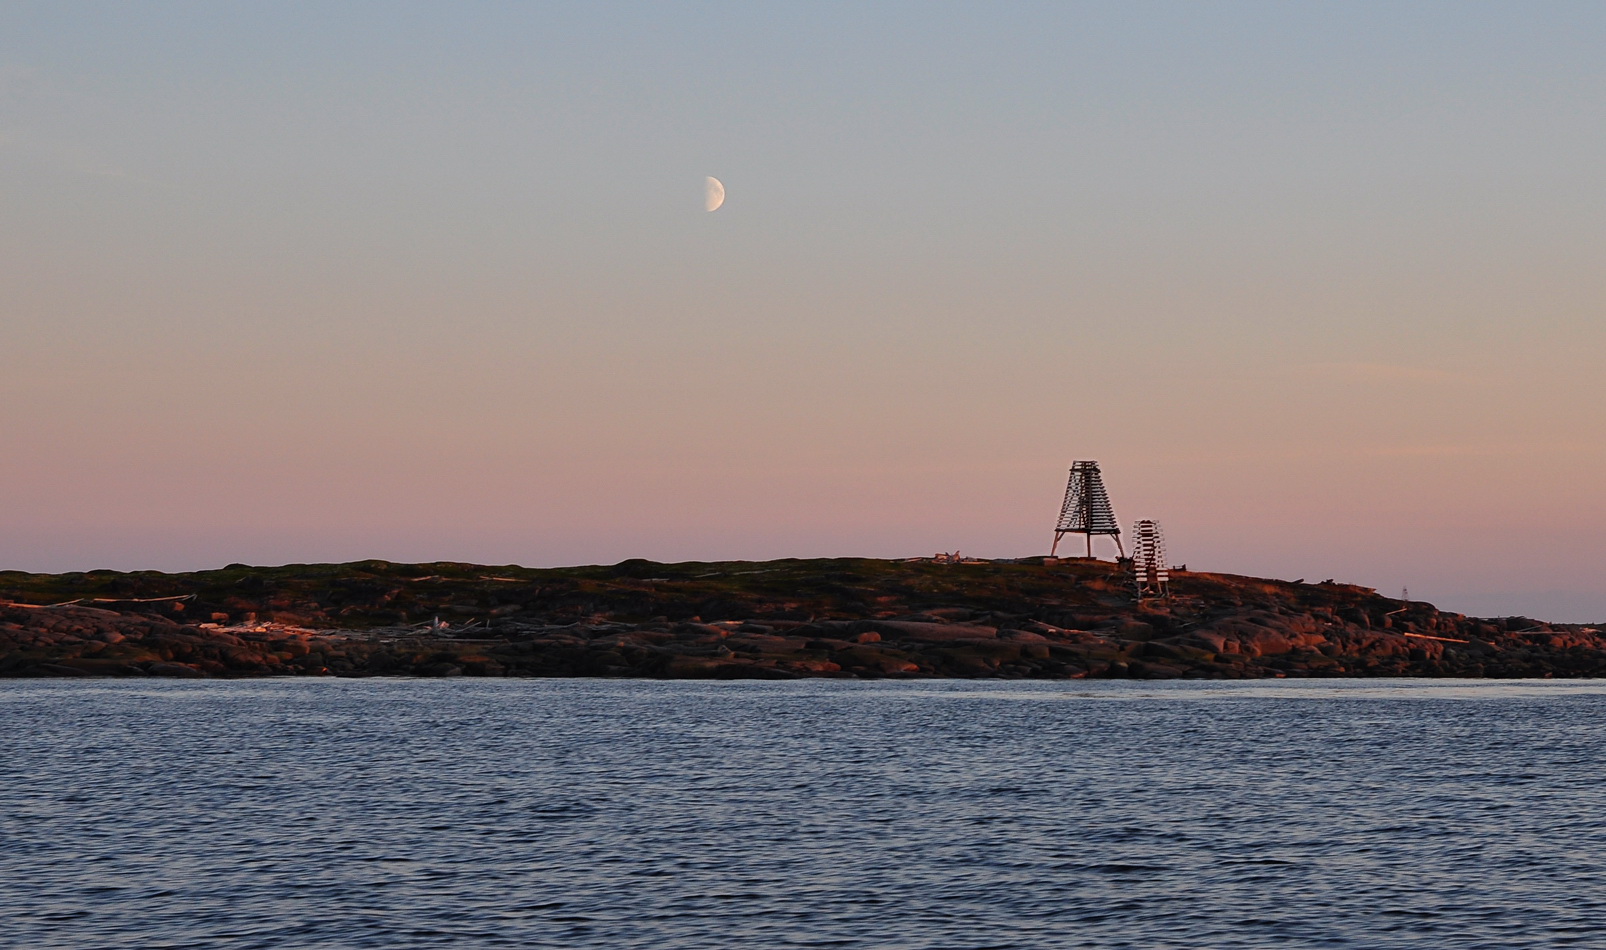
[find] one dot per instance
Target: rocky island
(851, 617)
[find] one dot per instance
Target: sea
(939, 815)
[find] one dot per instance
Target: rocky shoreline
(857, 618)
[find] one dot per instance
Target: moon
(713, 194)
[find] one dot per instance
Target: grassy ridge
(365, 594)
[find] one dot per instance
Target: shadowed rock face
(777, 619)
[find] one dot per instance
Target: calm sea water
(618, 814)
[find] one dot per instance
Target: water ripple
(960, 816)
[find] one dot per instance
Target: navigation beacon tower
(1149, 570)
(1087, 509)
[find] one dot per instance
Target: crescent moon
(713, 194)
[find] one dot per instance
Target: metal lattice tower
(1149, 571)
(1087, 509)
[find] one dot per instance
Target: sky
(1320, 285)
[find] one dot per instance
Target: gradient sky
(1320, 285)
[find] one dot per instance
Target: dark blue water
(618, 814)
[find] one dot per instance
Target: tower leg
(1090, 544)
(1056, 547)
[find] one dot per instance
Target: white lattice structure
(1149, 570)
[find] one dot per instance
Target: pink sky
(1322, 297)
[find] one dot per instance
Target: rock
(176, 670)
(862, 659)
(814, 666)
(969, 665)
(1133, 630)
(1154, 671)
(844, 617)
(698, 667)
(699, 630)
(700, 649)
(752, 671)
(933, 632)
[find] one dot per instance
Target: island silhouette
(1031, 618)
